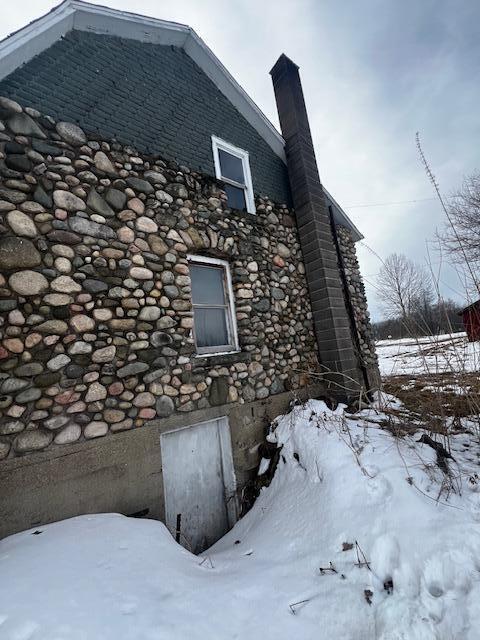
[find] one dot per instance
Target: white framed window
(214, 324)
(232, 166)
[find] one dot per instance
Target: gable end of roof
(31, 40)
(25, 44)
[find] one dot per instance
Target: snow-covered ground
(428, 355)
(360, 536)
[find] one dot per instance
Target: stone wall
(356, 290)
(95, 305)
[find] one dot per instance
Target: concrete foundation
(122, 474)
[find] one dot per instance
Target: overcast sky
(373, 73)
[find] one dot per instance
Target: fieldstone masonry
(356, 291)
(95, 300)
(366, 353)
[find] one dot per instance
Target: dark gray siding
(150, 96)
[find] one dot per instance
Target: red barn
(471, 321)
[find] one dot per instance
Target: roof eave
(342, 219)
(23, 45)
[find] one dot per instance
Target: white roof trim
(40, 34)
(37, 36)
(342, 218)
(25, 44)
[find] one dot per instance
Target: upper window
(213, 309)
(233, 168)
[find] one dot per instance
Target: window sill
(216, 353)
(223, 358)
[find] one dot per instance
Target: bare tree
(453, 240)
(461, 237)
(441, 317)
(403, 287)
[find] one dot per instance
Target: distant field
(448, 353)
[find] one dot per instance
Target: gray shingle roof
(151, 96)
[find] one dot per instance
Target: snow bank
(345, 493)
(448, 353)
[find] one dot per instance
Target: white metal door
(199, 483)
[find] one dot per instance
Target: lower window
(213, 306)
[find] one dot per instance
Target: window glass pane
(231, 166)
(207, 284)
(210, 327)
(236, 197)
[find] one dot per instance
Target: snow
(340, 479)
(431, 354)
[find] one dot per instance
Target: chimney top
(283, 60)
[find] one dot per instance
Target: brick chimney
(343, 373)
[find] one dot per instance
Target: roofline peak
(29, 41)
